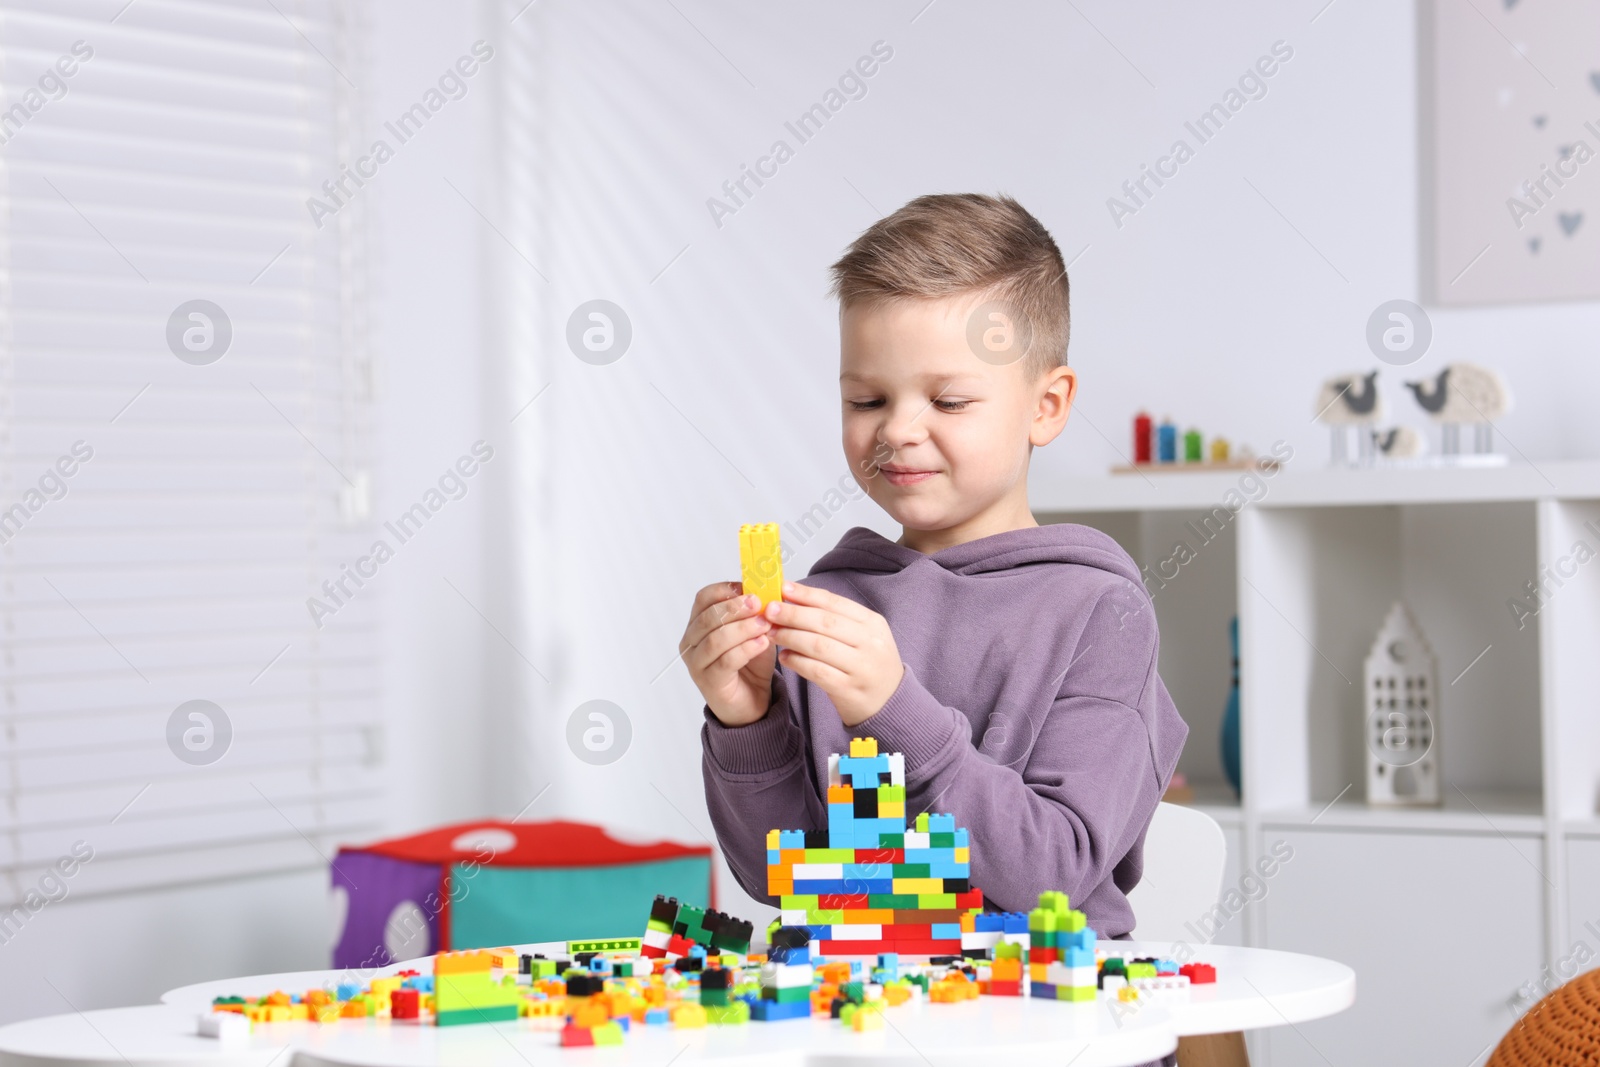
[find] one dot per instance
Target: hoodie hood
(868, 551)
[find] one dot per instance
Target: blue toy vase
(1230, 715)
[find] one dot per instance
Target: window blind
(184, 419)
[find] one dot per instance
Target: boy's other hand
(843, 648)
(729, 652)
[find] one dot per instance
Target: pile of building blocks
(875, 914)
(870, 883)
(1061, 959)
(675, 930)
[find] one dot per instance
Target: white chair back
(1184, 856)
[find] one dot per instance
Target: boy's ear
(1055, 404)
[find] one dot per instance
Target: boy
(1013, 664)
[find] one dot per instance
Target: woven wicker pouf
(1562, 1030)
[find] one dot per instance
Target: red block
(576, 1035)
(679, 945)
(972, 898)
(1198, 973)
(1044, 955)
(856, 948)
(404, 1004)
(880, 855)
(839, 901)
(652, 951)
(1004, 989)
(944, 947)
(908, 932)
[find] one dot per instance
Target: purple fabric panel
(376, 886)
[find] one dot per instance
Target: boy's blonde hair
(949, 244)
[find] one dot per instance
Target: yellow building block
(469, 962)
(895, 810)
(772, 839)
(963, 855)
(863, 747)
(760, 562)
(688, 1016)
(912, 886)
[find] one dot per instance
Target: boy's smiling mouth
(897, 474)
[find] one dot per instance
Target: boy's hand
(842, 647)
(729, 652)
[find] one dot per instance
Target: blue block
(1084, 938)
(622, 1021)
(821, 932)
(1166, 967)
(948, 869)
(767, 1011)
(861, 772)
(1078, 957)
(697, 949)
(941, 824)
(772, 857)
(927, 855)
(1016, 922)
(657, 1017)
(988, 922)
(889, 963)
(791, 839)
(346, 990)
(945, 930)
(961, 839)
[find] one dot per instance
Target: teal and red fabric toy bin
(490, 883)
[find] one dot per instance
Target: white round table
(1255, 988)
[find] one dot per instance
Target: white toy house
(1401, 715)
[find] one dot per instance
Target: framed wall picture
(1509, 125)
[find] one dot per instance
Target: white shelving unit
(1446, 913)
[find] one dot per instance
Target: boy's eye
(951, 405)
(864, 405)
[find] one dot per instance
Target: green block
(658, 926)
(1077, 993)
(1141, 970)
(805, 901)
(728, 1014)
(922, 823)
(853, 992)
(847, 1013)
(789, 995)
(942, 901)
(628, 945)
(1007, 950)
(607, 1034)
(830, 855)
(1114, 965)
(713, 997)
(891, 840)
(891, 794)
(919, 980)
(1075, 921)
(912, 870)
(825, 916)
(942, 840)
(464, 1016)
(893, 900)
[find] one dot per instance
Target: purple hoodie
(1030, 709)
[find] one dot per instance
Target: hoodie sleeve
(755, 778)
(1078, 798)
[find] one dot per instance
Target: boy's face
(938, 437)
